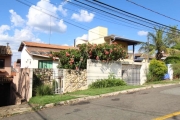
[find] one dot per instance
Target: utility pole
(148, 48)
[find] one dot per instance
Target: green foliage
(104, 83)
(43, 90)
(76, 58)
(177, 46)
(36, 82)
(176, 69)
(157, 69)
(172, 60)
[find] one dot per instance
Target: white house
(36, 55)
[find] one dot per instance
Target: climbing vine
(77, 58)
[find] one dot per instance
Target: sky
(60, 22)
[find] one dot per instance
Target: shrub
(43, 90)
(104, 83)
(36, 82)
(157, 69)
(77, 58)
(172, 60)
(176, 70)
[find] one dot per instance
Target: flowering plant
(77, 58)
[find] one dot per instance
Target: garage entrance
(4, 94)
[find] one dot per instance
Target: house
(36, 55)
(99, 35)
(6, 77)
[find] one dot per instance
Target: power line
(55, 16)
(128, 13)
(108, 20)
(153, 11)
(115, 15)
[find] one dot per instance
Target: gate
(131, 74)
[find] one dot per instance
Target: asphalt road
(142, 105)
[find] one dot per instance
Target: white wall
(29, 61)
(143, 73)
(26, 59)
(99, 70)
(170, 71)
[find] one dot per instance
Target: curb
(21, 110)
(83, 99)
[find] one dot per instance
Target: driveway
(160, 103)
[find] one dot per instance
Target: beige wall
(7, 67)
(96, 35)
(124, 45)
(23, 83)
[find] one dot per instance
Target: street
(155, 103)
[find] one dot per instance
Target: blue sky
(19, 22)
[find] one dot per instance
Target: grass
(42, 100)
(163, 82)
(98, 91)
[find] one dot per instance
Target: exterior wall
(97, 34)
(7, 67)
(97, 41)
(124, 45)
(79, 41)
(74, 80)
(26, 59)
(29, 61)
(36, 59)
(22, 83)
(99, 70)
(143, 73)
(170, 71)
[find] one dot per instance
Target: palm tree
(158, 41)
(157, 44)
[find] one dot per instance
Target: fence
(65, 80)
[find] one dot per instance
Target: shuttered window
(45, 64)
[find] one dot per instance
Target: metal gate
(58, 84)
(131, 74)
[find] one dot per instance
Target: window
(45, 64)
(2, 63)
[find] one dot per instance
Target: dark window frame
(2, 65)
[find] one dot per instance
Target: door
(4, 94)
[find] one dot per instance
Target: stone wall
(45, 75)
(74, 80)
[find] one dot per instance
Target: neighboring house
(99, 35)
(36, 55)
(6, 77)
(5, 61)
(17, 65)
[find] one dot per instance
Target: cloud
(16, 19)
(83, 37)
(43, 22)
(14, 40)
(142, 33)
(81, 40)
(65, 45)
(4, 28)
(83, 16)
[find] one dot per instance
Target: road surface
(155, 103)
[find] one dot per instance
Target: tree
(172, 37)
(147, 48)
(158, 41)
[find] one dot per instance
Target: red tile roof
(43, 45)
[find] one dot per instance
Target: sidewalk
(19, 109)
